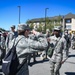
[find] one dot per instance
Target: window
(68, 21)
(68, 26)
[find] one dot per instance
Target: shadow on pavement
(71, 56)
(70, 73)
(37, 62)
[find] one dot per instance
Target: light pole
(45, 17)
(63, 24)
(19, 12)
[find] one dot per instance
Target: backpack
(10, 62)
(2, 53)
(51, 48)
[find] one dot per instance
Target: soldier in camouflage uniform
(44, 53)
(2, 47)
(26, 46)
(11, 35)
(33, 37)
(2, 41)
(60, 52)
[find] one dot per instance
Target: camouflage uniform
(59, 55)
(26, 46)
(2, 42)
(11, 35)
(33, 37)
(2, 47)
(44, 53)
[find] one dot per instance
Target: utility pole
(19, 13)
(63, 24)
(45, 17)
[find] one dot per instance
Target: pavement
(68, 68)
(42, 67)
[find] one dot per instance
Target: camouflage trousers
(54, 67)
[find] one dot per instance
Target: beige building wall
(68, 24)
(73, 24)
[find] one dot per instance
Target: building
(70, 21)
(67, 20)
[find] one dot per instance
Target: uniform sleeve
(35, 46)
(7, 41)
(65, 51)
(26, 46)
(41, 44)
(9, 38)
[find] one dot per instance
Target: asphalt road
(42, 67)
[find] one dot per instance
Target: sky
(30, 9)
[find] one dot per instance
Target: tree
(58, 21)
(40, 28)
(49, 24)
(30, 23)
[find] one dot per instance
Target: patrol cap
(13, 26)
(23, 27)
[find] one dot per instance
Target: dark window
(68, 21)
